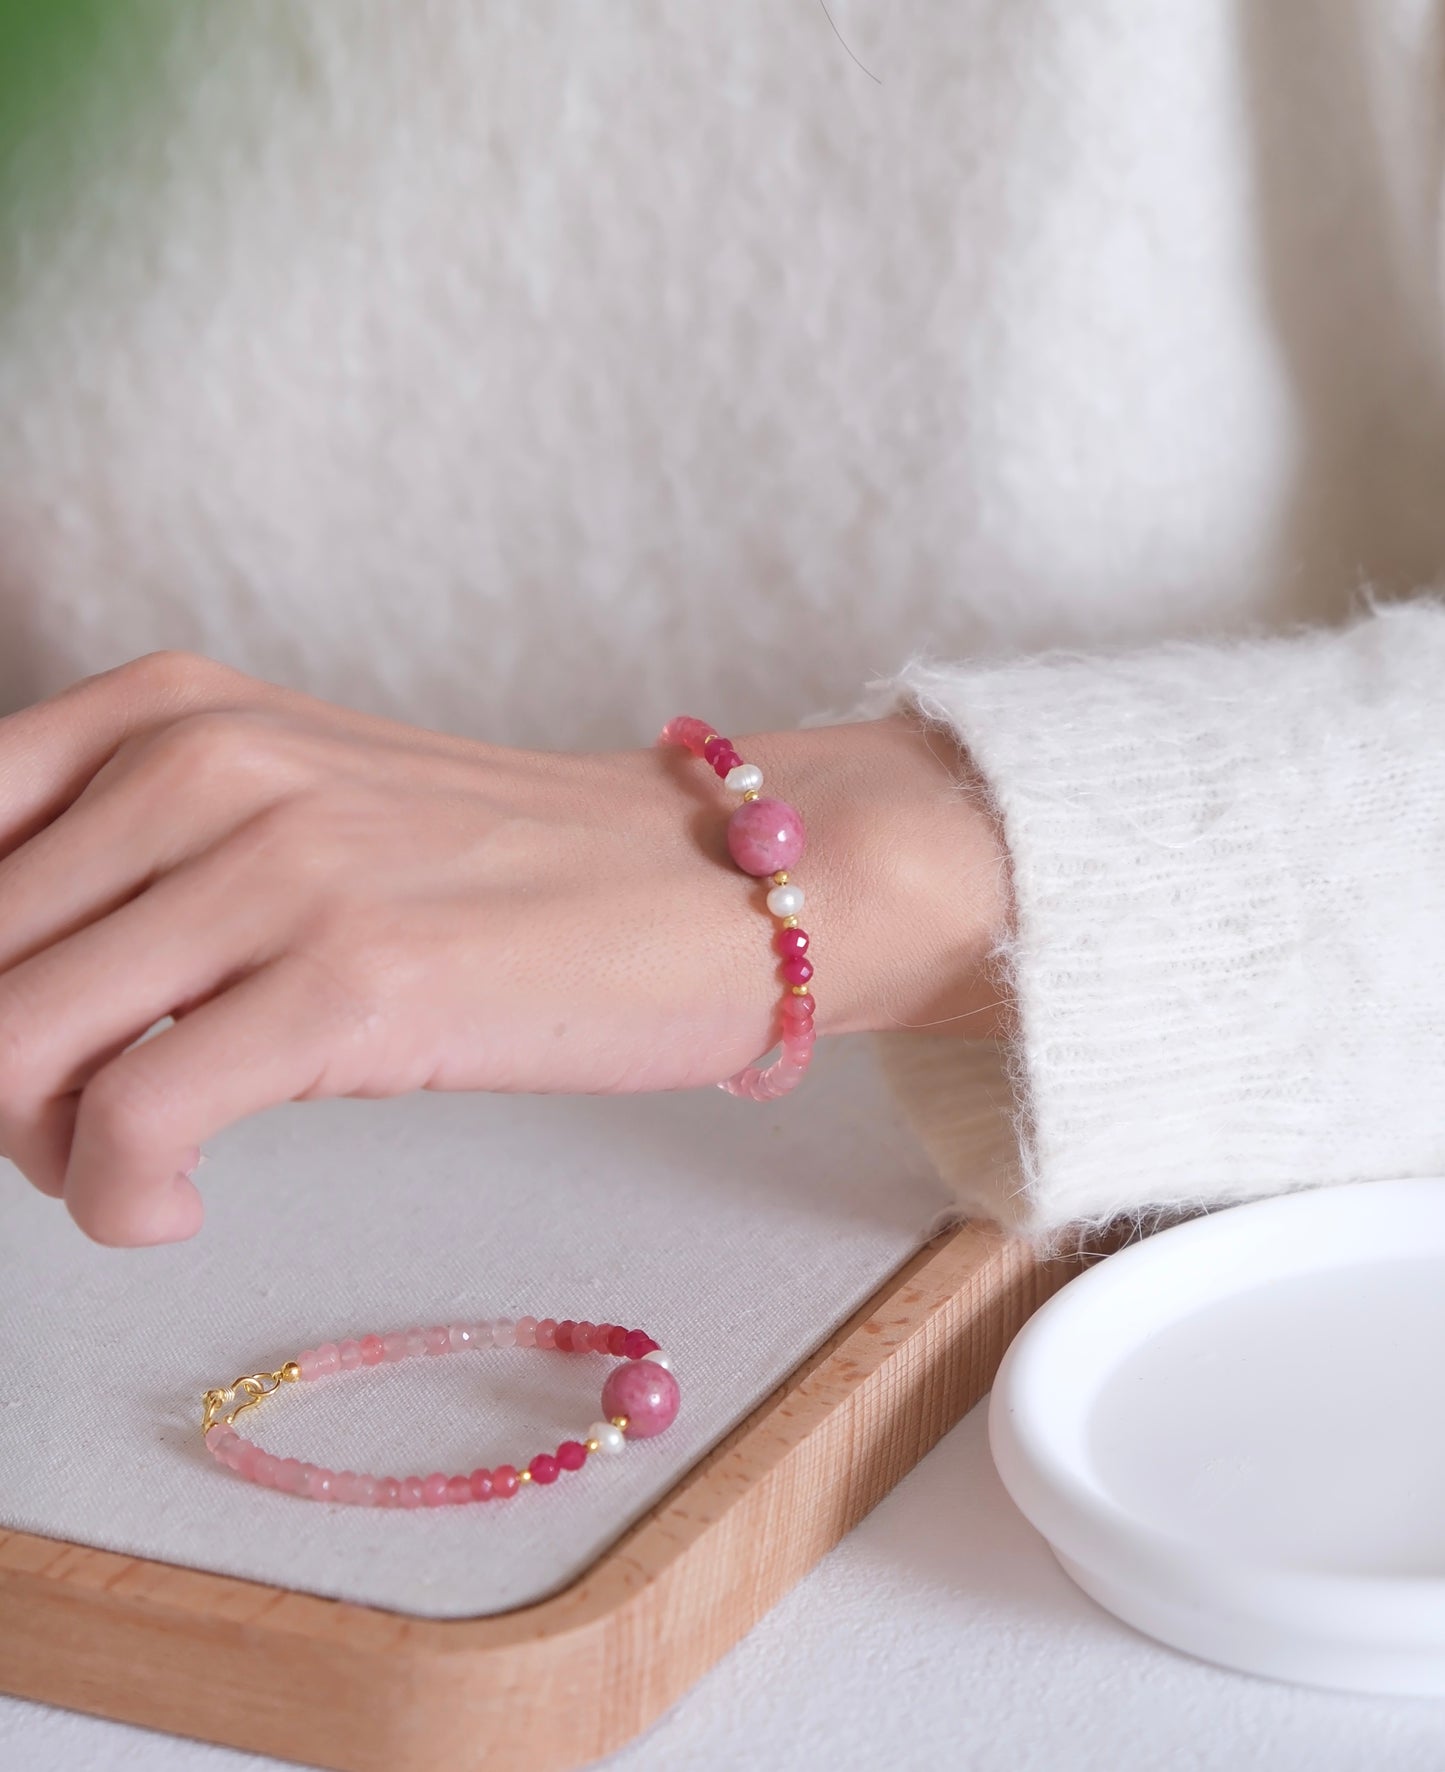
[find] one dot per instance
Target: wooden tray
(559, 1683)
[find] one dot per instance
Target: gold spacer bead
(781, 877)
(620, 1422)
(290, 1372)
(752, 794)
(593, 1445)
(711, 738)
(790, 922)
(524, 1476)
(801, 990)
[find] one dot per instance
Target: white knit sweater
(536, 370)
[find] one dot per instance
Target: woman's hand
(332, 904)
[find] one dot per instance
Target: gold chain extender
(252, 1387)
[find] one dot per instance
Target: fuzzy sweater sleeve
(1228, 945)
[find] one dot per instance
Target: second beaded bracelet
(765, 838)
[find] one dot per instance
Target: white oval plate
(1233, 1435)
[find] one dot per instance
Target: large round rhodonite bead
(645, 1393)
(765, 836)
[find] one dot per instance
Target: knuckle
(122, 1105)
(168, 674)
(212, 749)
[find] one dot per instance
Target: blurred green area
(72, 74)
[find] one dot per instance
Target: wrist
(906, 876)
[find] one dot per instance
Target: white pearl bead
(785, 901)
(609, 1439)
(659, 1358)
(745, 778)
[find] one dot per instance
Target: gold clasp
(253, 1387)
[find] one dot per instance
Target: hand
(332, 904)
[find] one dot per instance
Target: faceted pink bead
(480, 1483)
(571, 1455)
(344, 1488)
(547, 1332)
(798, 1008)
(637, 1343)
(393, 1346)
(616, 1340)
(438, 1341)
(412, 1491)
(291, 1476)
(367, 1490)
(687, 731)
(459, 1489)
(789, 942)
(544, 1468)
(434, 1489)
(372, 1351)
(265, 1469)
(645, 1393)
(320, 1482)
(415, 1343)
(349, 1353)
(765, 835)
(798, 970)
(504, 1481)
(388, 1491)
(526, 1331)
(323, 1359)
(582, 1334)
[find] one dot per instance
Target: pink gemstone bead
(645, 1393)
(388, 1491)
(324, 1359)
(434, 1489)
(344, 1488)
(415, 1343)
(543, 1468)
(265, 1472)
(372, 1351)
(638, 1343)
(616, 1340)
(413, 1492)
(480, 1484)
(437, 1341)
(547, 1332)
(526, 1331)
(393, 1346)
(790, 942)
(320, 1482)
(582, 1334)
(798, 1008)
(798, 970)
(764, 836)
(291, 1476)
(350, 1355)
(687, 731)
(459, 1489)
(571, 1455)
(368, 1490)
(504, 1482)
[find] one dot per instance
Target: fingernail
(194, 1158)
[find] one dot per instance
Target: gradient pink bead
(504, 1482)
(480, 1484)
(799, 1008)
(543, 1468)
(798, 970)
(349, 1355)
(547, 1332)
(344, 1488)
(437, 1340)
(291, 1476)
(791, 942)
(372, 1351)
(637, 1343)
(320, 1361)
(320, 1482)
(459, 1490)
(434, 1489)
(582, 1334)
(393, 1346)
(571, 1455)
(646, 1393)
(388, 1491)
(526, 1331)
(413, 1492)
(765, 835)
(368, 1490)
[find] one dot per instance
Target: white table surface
(939, 1635)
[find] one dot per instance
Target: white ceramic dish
(1233, 1435)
